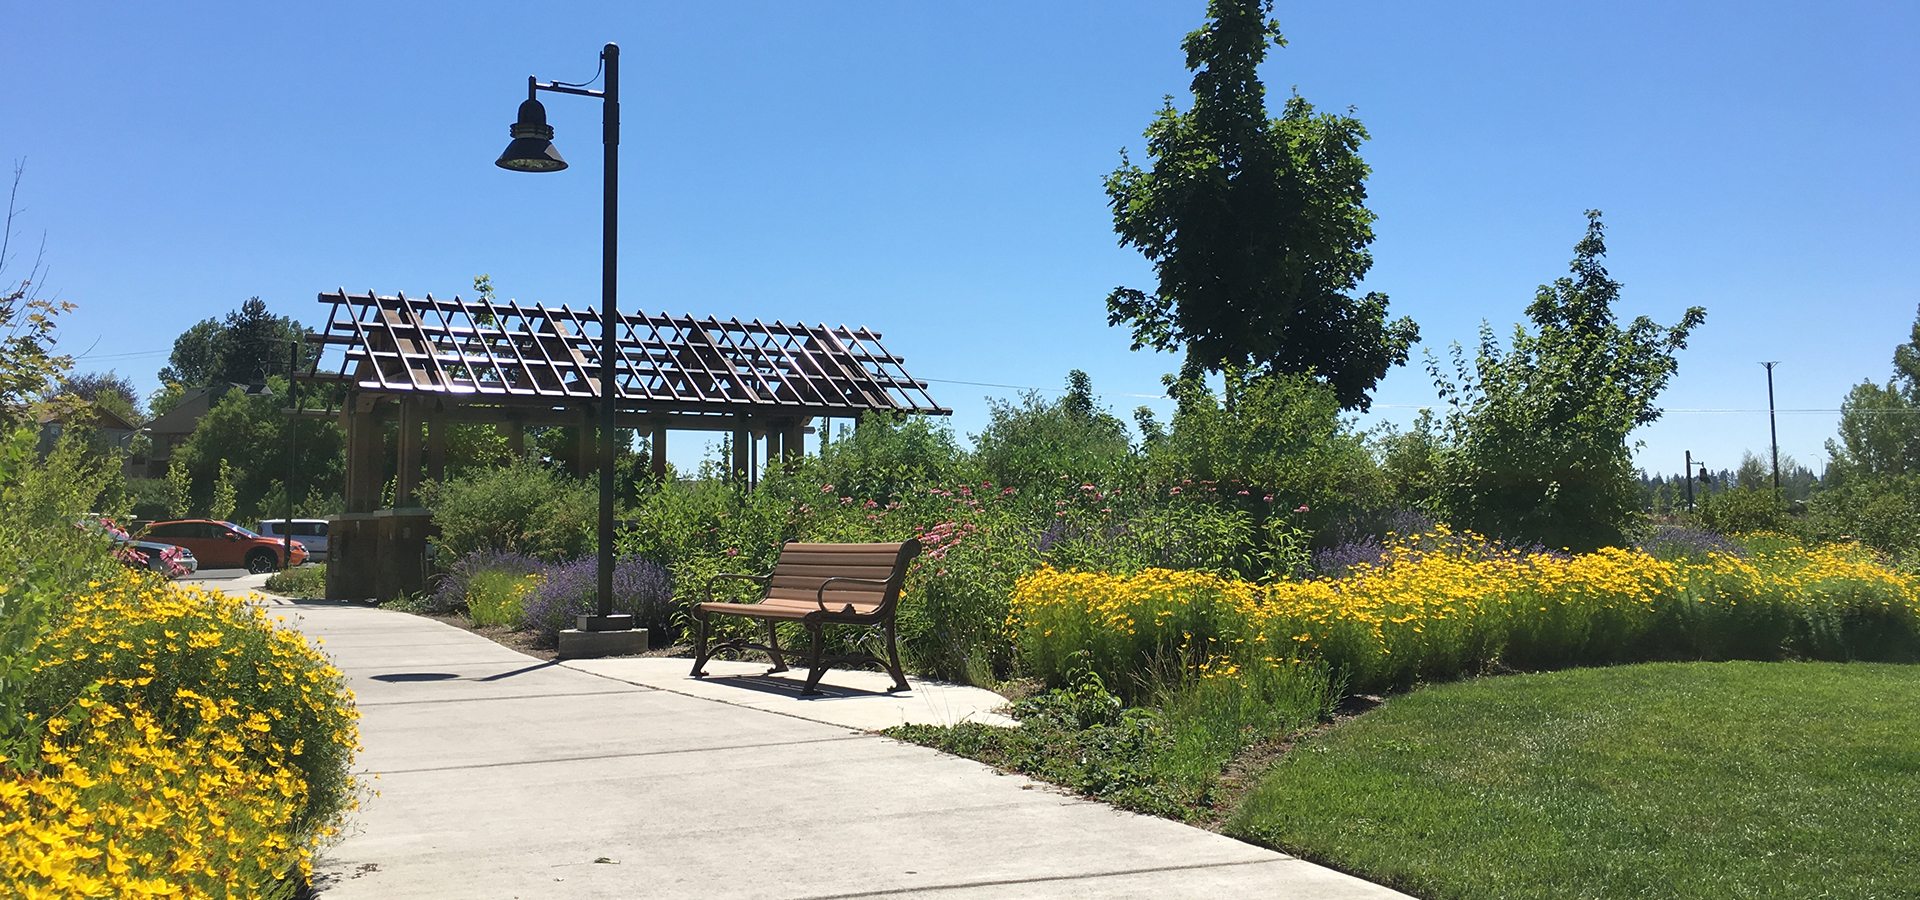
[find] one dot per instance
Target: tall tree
(1540, 430)
(245, 347)
(1257, 227)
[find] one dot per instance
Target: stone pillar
(352, 555)
(400, 562)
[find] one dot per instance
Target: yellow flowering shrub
(187, 748)
(1441, 606)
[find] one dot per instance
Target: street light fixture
(532, 150)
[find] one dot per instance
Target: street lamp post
(532, 150)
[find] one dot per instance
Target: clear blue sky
(933, 171)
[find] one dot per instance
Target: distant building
(111, 431)
(168, 431)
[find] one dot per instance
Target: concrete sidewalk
(503, 776)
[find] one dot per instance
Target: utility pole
(1773, 433)
(1689, 471)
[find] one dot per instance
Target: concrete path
(503, 776)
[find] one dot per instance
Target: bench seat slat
(876, 573)
(838, 560)
(813, 580)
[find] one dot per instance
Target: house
(112, 431)
(171, 429)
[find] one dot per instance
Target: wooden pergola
(425, 362)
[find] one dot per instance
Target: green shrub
(523, 507)
(1047, 449)
(304, 582)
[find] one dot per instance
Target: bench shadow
(790, 687)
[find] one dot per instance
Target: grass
(301, 582)
(1737, 779)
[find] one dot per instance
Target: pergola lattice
(507, 354)
(424, 361)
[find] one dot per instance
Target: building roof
(480, 351)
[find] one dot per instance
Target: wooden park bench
(817, 585)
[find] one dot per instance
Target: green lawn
(1709, 780)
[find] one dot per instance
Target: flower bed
(1441, 605)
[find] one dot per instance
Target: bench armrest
(820, 596)
(734, 576)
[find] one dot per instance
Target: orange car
(217, 543)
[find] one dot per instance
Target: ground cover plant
(1736, 779)
(304, 582)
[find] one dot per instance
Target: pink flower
(826, 489)
(845, 500)
(1174, 491)
(1303, 508)
(871, 504)
(1268, 498)
(732, 551)
(1006, 492)
(1245, 493)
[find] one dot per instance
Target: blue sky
(933, 171)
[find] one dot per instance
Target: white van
(308, 533)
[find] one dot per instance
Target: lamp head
(532, 149)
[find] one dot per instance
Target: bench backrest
(804, 567)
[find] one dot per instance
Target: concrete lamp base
(577, 644)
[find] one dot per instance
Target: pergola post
(407, 448)
(589, 448)
(657, 449)
(742, 453)
(437, 445)
(516, 433)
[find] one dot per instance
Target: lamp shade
(532, 149)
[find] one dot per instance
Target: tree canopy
(1257, 227)
(244, 348)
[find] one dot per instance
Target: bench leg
(773, 648)
(893, 661)
(815, 668)
(700, 643)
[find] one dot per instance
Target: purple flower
(641, 587)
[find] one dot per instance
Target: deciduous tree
(1539, 430)
(1256, 227)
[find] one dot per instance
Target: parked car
(217, 544)
(308, 533)
(167, 559)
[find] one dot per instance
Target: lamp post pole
(293, 461)
(532, 150)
